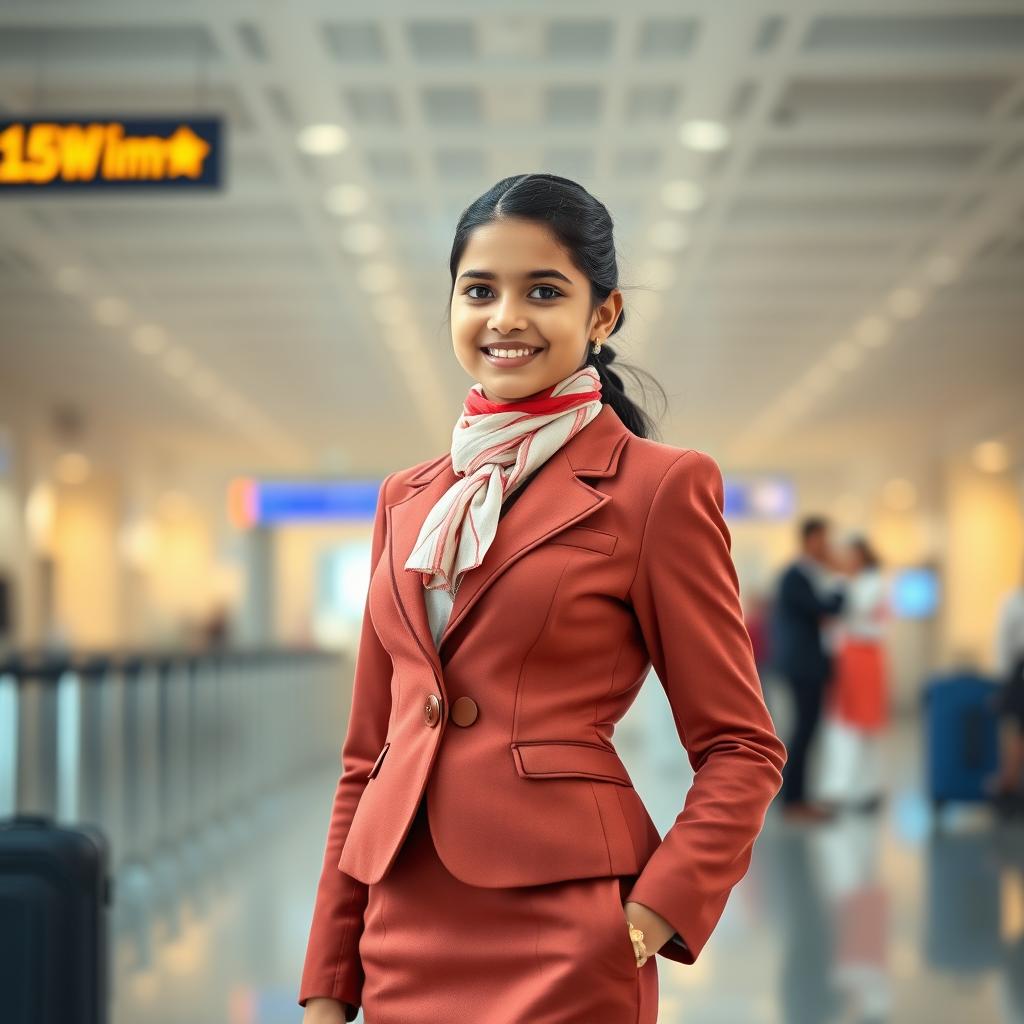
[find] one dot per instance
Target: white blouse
(439, 610)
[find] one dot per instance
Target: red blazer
(615, 557)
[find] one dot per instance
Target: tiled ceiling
(876, 152)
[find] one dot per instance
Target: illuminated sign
(764, 498)
(266, 502)
(62, 153)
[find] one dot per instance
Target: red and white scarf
(495, 446)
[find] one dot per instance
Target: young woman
(488, 859)
(858, 707)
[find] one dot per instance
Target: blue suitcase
(54, 894)
(961, 736)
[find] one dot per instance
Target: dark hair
(865, 550)
(582, 225)
(811, 525)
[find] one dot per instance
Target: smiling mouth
(522, 355)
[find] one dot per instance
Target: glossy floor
(871, 918)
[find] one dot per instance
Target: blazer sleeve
(332, 967)
(685, 595)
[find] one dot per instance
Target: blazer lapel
(555, 499)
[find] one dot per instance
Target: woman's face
(516, 288)
(852, 558)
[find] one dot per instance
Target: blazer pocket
(380, 760)
(568, 759)
(585, 537)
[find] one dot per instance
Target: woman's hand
(657, 931)
(321, 1010)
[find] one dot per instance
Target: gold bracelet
(639, 948)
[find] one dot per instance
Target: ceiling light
(683, 195)
(177, 362)
(899, 495)
(819, 378)
(109, 311)
(203, 383)
(704, 136)
(149, 339)
(322, 139)
(345, 200)
(905, 303)
(991, 456)
(873, 331)
(845, 356)
(72, 468)
(669, 235)
(362, 238)
(40, 516)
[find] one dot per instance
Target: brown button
(464, 711)
(432, 710)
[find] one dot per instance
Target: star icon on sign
(186, 152)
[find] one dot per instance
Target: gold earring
(597, 345)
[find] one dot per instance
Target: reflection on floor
(871, 918)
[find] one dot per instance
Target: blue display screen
(914, 593)
(284, 501)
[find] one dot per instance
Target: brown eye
(471, 287)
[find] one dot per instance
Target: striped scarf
(495, 446)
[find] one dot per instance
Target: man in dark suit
(803, 602)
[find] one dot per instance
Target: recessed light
(683, 195)
(669, 235)
(704, 136)
(322, 139)
(362, 238)
(345, 200)
(109, 311)
(873, 331)
(149, 339)
(820, 377)
(991, 456)
(845, 356)
(72, 468)
(177, 361)
(905, 303)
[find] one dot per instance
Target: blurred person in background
(808, 595)
(1009, 661)
(858, 698)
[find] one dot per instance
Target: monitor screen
(914, 593)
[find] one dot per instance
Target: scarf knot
(495, 446)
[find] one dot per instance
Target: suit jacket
(614, 558)
(799, 609)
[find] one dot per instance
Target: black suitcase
(54, 931)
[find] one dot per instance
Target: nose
(507, 317)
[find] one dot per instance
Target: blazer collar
(555, 499)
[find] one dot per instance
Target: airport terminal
(678, 343)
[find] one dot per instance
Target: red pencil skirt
(436, 949)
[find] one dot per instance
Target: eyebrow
(488, 275)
